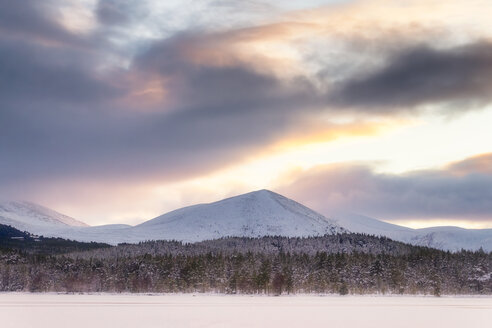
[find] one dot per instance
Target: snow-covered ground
(77, 311)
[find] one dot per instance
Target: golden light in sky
(119, 114)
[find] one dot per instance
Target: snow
(364, 224)
(255, 214)
(81, 311)
(454, 238)
(34, 218)
(447, 238)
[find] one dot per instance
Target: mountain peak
(254, 214)
(262, 191)
(34, 218)
(257, 193)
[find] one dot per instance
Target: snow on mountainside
(447, 238)
(254, 214)
(34, 218)
(453, 238)
(258, 213)
(363, 224)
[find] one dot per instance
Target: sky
(117, 111)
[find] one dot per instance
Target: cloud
(31, 73)
(422, 75)
(112, 12)
(217, 104)
(480, 164)
(122, 12)
(38, 21)
(62, 119)
(102, 107)
(419, 195)
(207, 71)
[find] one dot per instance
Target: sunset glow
(117, 114)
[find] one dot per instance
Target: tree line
(340, 264)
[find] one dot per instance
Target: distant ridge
(446, 238)
(254, 214)
(37, 219)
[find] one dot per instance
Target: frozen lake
(52, 310)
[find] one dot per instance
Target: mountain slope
(446, 238)
(453, 238)
(255, 214)
(34, 218)
(364, 224)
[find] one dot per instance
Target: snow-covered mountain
(364, 224)
(34, 218)
(453, 238)
(255, 214)
(447, 238)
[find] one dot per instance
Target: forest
(333, 264)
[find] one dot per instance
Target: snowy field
(52, 310)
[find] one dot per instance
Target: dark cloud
(33, 73)
(421, 195)
(35, 20)
(120, 12)
(65, 114)
(204, 72)
(423, 75)
(108, 12)
(62, 120)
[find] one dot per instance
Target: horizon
(117, 112)
(412, 225)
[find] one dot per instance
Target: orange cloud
(317, 132)
(477, 164)
(146, 91)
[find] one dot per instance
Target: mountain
(34, 218)
(14, 239)
(364, 224)
(255, 214)
(453, 238)
(446, 238)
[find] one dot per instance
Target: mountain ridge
(35, 218)
(254, 214)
